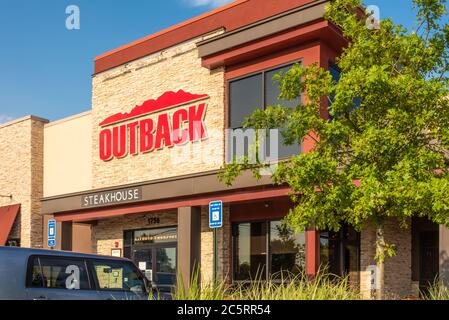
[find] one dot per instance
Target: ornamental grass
(282, 286)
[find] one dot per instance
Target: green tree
(384, 153)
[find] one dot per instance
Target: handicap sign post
(216, 222)
(216, 214)
(51, 233)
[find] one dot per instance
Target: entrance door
(158, 263)
(428, 258)
(165, 276)
(143, 258)
(154, 251)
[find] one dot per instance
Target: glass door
(143, 258)
(154, 251)
(165, 277)
(158, 263)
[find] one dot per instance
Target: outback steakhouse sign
(136, 132)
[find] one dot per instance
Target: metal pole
(215, 255)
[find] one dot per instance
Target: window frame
(38, 257)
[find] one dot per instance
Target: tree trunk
(380, 259)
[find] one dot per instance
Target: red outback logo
(145, 135)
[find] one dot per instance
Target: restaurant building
(134, 176)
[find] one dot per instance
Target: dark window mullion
(268, 242)
(229, 105)
(154, 264)
(264, 91)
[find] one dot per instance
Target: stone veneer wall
(120, 89)
(109, 231)
(21, 175)
(224, 247)
(398, 269)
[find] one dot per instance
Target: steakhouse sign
(136, 132)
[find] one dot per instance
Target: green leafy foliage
(385, 154)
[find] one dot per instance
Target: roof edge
(21, 119)
(172, 28)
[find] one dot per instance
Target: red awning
(7, 216)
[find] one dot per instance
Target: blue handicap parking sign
(51, 233)
(216, 214)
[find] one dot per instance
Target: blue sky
(46, 70)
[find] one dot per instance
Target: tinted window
(166, 266)
(336, 74)
(59, 273)
(272, 90)
(245, 96)
(287, 249)
(35, 279)
(117, 275)
(284, 151)
(272, 242)
(340, 251)
(258, 91)
(251, 251)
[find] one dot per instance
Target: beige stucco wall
(21, 175)
(68, 155)
(124, 87)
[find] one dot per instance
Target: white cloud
(4, 118)
(208, 3)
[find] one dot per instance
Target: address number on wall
(154, 220)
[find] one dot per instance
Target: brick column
(189, 242)
(398, 269)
